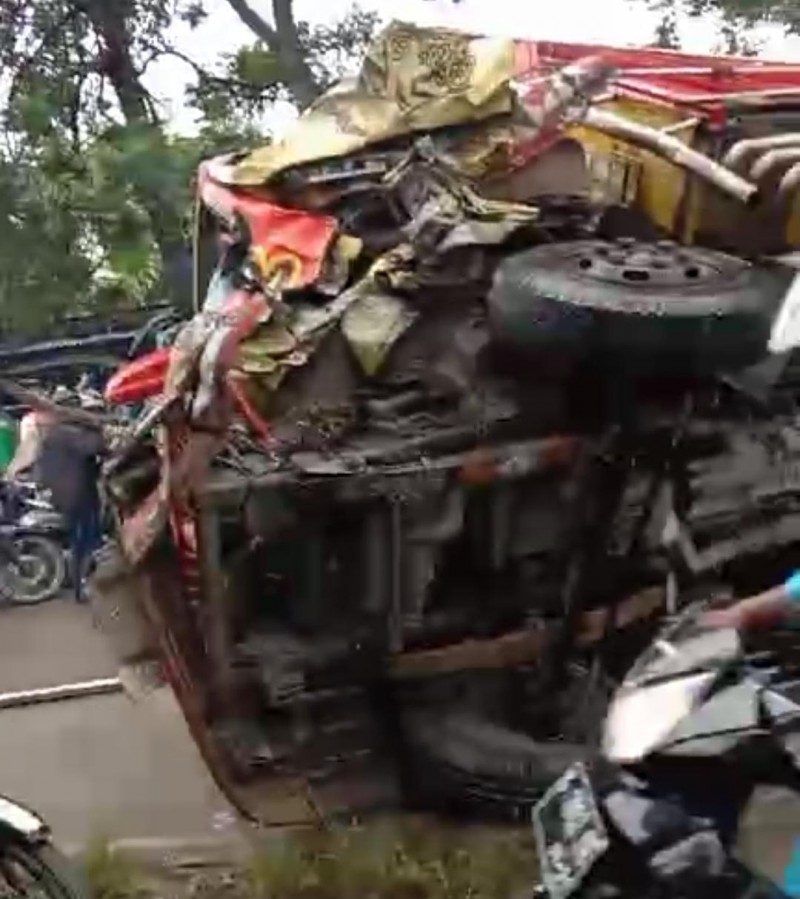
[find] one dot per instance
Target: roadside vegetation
(389, 859)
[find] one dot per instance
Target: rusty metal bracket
(523, 646)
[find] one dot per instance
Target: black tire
(52, 873)
(50, 573)
(459, 760)
(664, 306)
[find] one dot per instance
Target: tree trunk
(108, 19)
(284, 40)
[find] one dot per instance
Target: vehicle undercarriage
(422, 582)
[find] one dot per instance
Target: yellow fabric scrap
(412, 79)
(372, 325)
(259, 353)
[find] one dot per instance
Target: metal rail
(77, 690)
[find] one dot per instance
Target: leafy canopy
(95, 191)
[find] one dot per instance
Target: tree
(295, 59)
(91, 182)
(40, 254)
(73, 79)
(666, 35)
(283, 48)
(737, 19)
(746, 13)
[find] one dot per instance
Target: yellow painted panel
(660, 185)
(627, 174)
(793, 229)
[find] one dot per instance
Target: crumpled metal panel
(412, 79)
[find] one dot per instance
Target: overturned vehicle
(493, 364)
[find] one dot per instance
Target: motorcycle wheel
(42, 871)
(38, 572)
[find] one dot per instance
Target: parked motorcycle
(30, 865)
(33, 538)
(694, 728)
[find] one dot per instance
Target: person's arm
(762, 610)
(30, 443)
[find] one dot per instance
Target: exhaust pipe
(742, 150)
(673, 150)
(790, 184)
(774, 160)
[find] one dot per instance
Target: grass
(113, 874)
(388, 859)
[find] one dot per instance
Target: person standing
(32, 428)
(69, 467)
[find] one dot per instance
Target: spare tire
(460, 760)
(655, 304)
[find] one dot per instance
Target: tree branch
(29, 60)
(74, 115)
(301, 80)
(258, 25)
(284, 41)
(285, 23)
(222, 81)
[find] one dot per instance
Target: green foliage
(257, 74)
(751, 12)
(257, 66)
(737, 18)
(96, 194)
(395, 859)
(331, 49)
(40, 256)
(112, 874)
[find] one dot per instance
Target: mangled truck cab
(477, 387)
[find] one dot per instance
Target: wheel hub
(663, 264)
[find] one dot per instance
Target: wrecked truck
(477, 389)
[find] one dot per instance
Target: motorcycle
(33, 536)
(691, 732)
(29, 862)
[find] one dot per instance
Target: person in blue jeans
(69, 467)
(762, 610)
